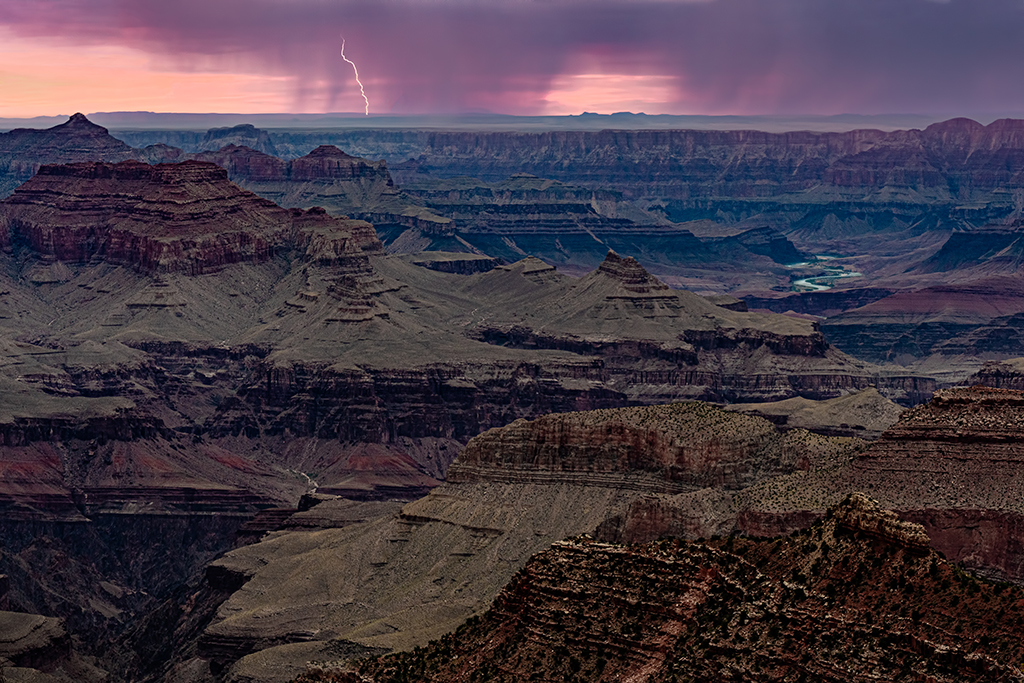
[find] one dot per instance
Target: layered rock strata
(636, 475)
(512, 492)
(179, 217)
(198, 353)
(859, 595)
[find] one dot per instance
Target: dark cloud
(726, 56)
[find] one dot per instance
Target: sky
(526, 57)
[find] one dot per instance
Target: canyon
(183, 357)
(428, 358)
(633, 476)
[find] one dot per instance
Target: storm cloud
(443, 56)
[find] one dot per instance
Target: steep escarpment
(182, 354)
(860, 594)
(954, 159)
(975, 318)
(157, 218)
(665, 449)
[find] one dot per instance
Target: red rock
(184, 217)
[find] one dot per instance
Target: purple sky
(518, 56)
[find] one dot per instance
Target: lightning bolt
(356, 70)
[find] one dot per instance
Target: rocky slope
(949, 465)
(858, 596)
(38, 649)
(865, 414)
(515, 490)
(624, 475)
(973, 320)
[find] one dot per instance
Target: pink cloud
(515, 56)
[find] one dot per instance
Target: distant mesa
(243, 135)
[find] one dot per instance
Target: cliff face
(175, 217)
(951, 160)
(691, 471)
(246, 135)
(665, 449)
(859, 594)
(973, 318)
(949, 465)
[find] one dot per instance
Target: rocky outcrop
(176, 217)
(1007, 374)
(664, 449)
(24, 150)
(946, 470)
(244, 135)
(447, 262)
(858, 595)
(950, 465)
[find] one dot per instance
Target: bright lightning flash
(356, 70)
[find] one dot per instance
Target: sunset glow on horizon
(512, 57)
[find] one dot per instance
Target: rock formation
(38, 649)
(511, 493)
(24, 150)
(173, 217)
(243, 135)
(978, 318)
(859, 595)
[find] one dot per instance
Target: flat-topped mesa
(243, 134)
(329, 162)
(246, 164)
(860, 513)
(631, 274)
(185, 217)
